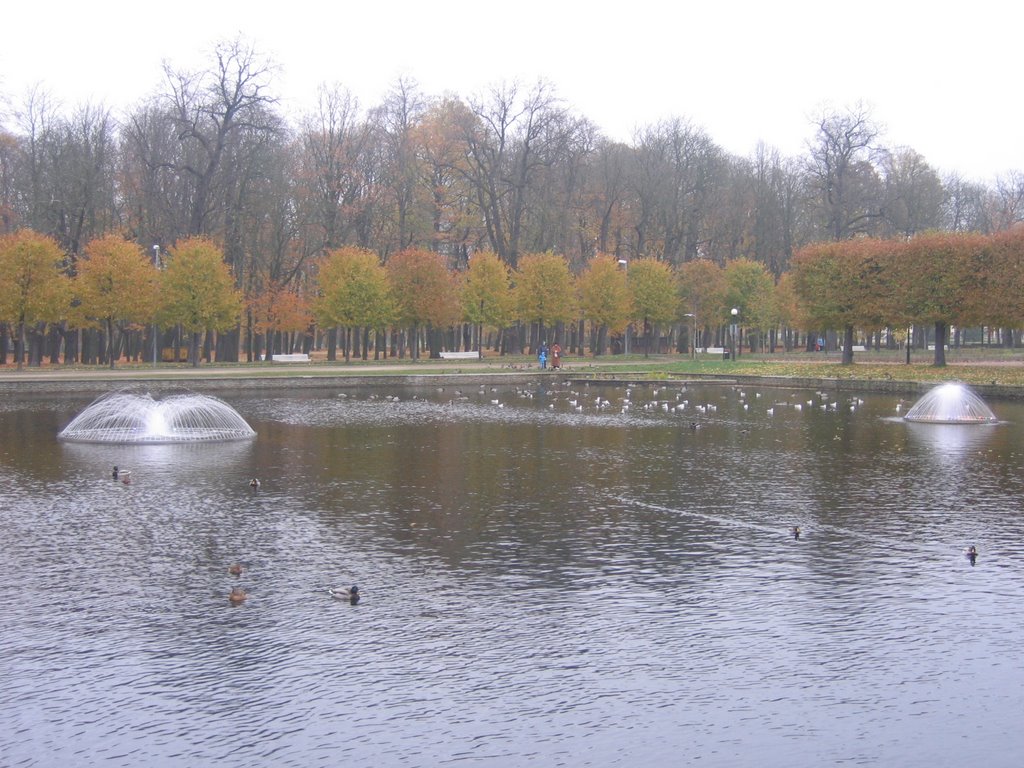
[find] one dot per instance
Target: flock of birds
(662, 399)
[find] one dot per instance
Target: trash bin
(726, 354)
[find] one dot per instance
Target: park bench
(460, 355)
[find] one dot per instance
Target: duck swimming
(795, 530)
(114, 473)
(971, 553)
(237, 595)
(255, 483)
(235, 569)
(351, 594)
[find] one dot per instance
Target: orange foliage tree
(425, 294)
(844, 284)
(702, 294)
(279, 309)
(929, 274)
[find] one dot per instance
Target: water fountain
(126, 417)
(951, 403)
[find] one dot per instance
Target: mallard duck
(114, 473)
(255, 483)
(795, 530)
(350, 593)
(971, 553)
(235, 569)
(237, 595)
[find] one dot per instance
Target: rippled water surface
(550, 577)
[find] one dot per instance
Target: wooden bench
(460, 355)
(295, 357)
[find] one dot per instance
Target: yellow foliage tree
(545, 290)
(605, 298)
(198, 292)
(353, 292)
(116, 285)
(33, 287)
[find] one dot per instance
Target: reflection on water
(550, 576)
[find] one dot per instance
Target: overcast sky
(941, 78)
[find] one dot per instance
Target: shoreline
(45, 382)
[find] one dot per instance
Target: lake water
(544, 583)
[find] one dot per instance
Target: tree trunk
(941, 329)
(110, 342)
(848, 345)
(193, 349)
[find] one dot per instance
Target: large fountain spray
(951, 403)
(124, 417)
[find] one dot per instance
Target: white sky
(940, 78)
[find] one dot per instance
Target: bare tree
(208, 109)
(509, 140)
(913, 193)
(844, 185)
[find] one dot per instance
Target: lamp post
(735, 316)
(156, 264)
(625, 268)
(693, 334)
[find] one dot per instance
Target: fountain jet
(124, 417)
(951, 403)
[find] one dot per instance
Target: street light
(735, 316)
(156, 264)
(625, 268)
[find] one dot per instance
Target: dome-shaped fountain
(124, 417)
(951, 403)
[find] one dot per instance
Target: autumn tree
(197, 292)
(789, 308)
(652, 285)
(455, 223)
(994, 281)
(544, 291)
(605, 299)
(34, 288)
(354, 292)
(279, 309)
(751, 289)
(116, 287)
(844, 285)
(487, 293)
(702, 295)
(930, 283)
(425, 294)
